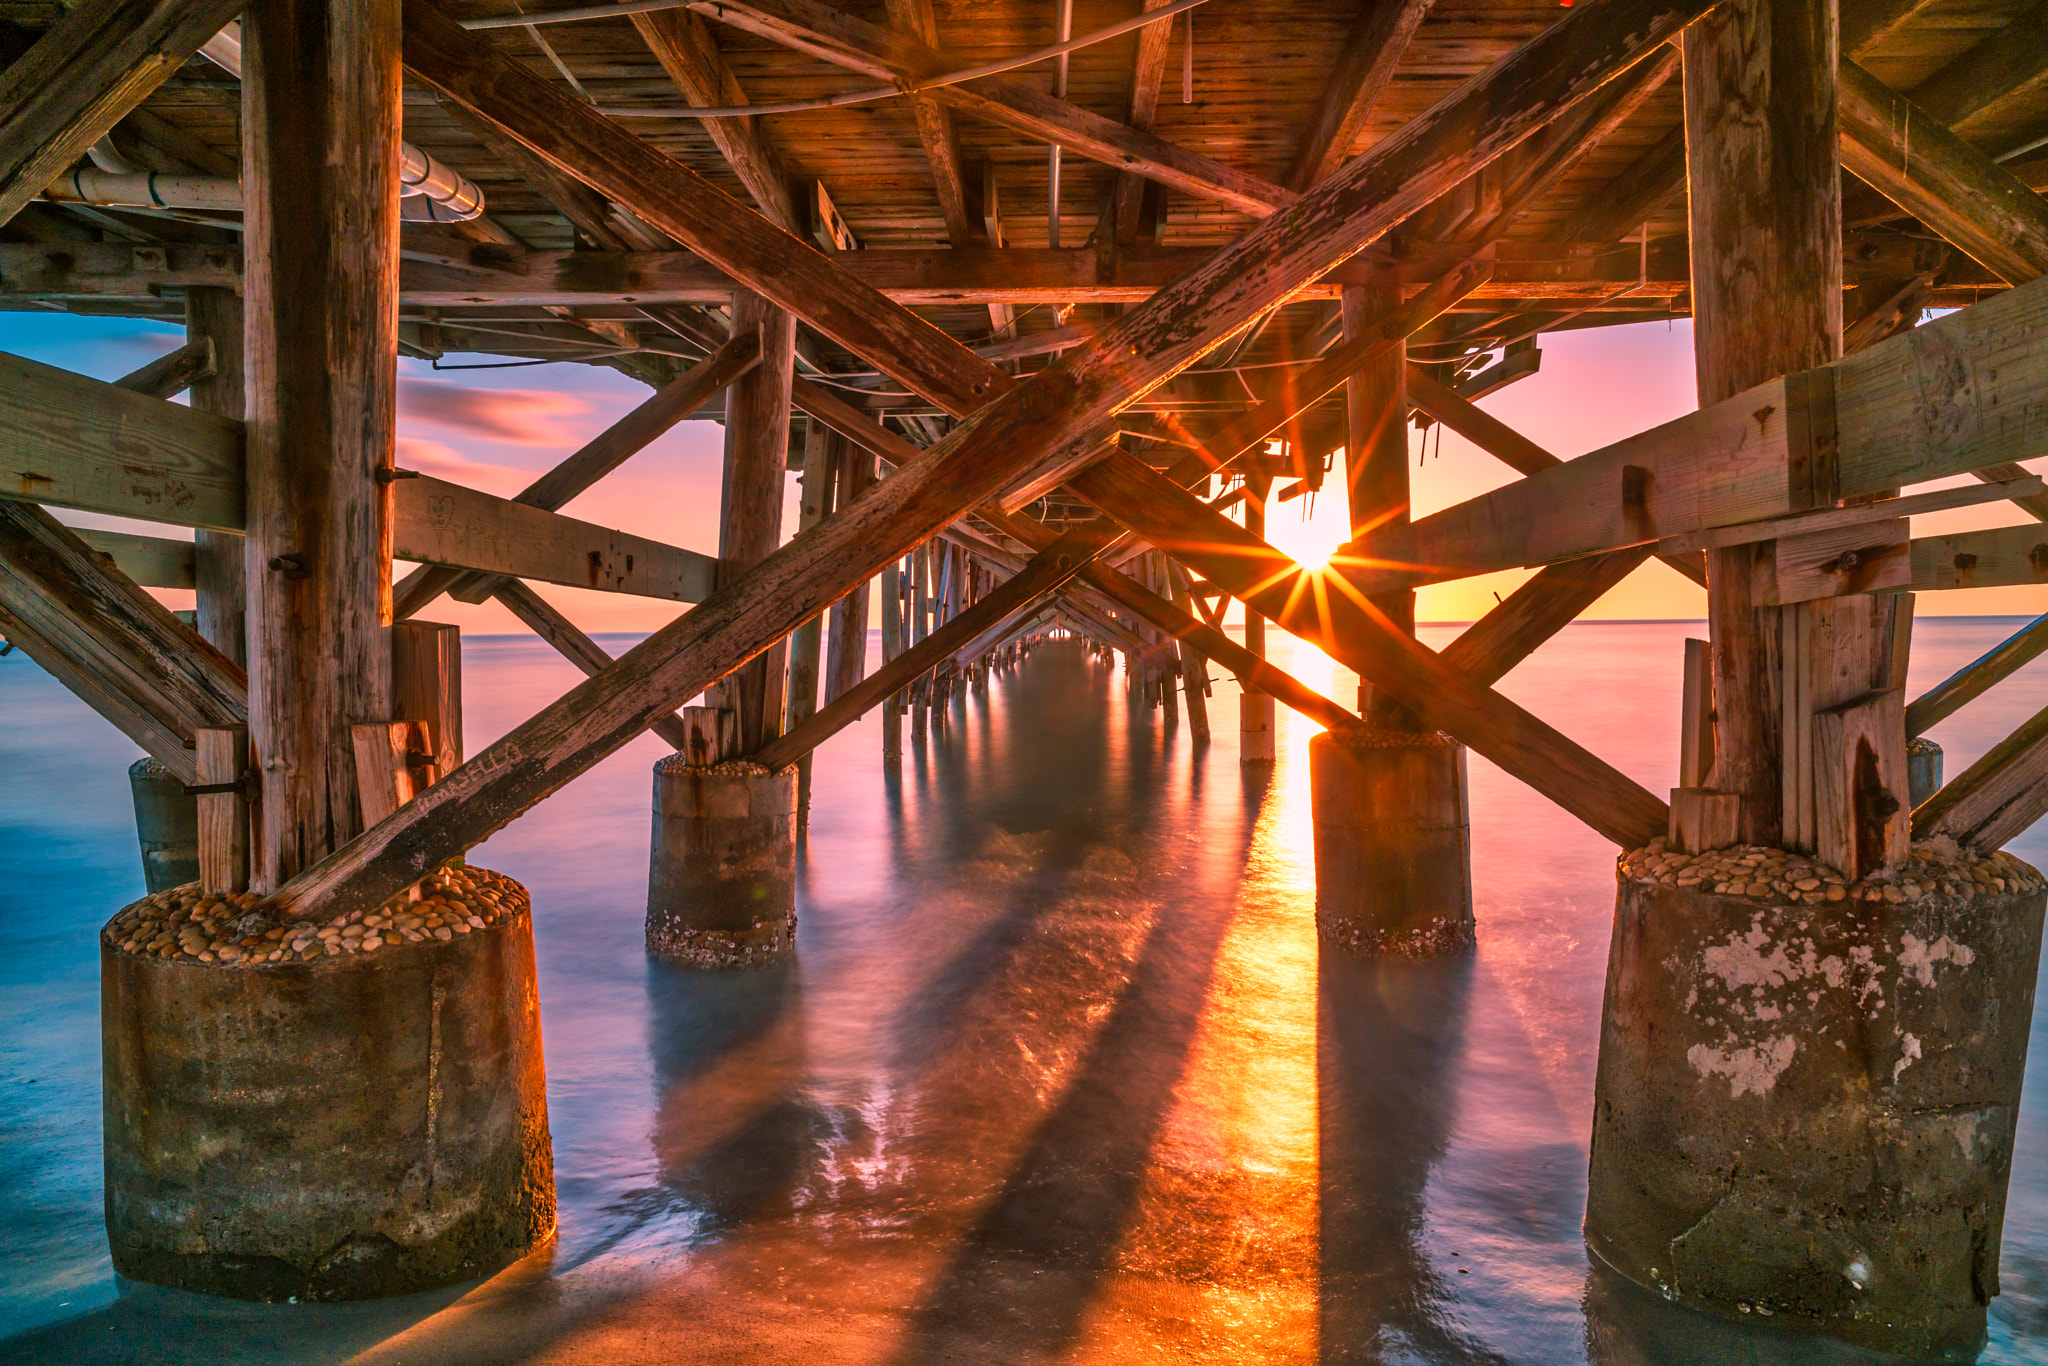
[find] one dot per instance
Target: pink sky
(497, 429)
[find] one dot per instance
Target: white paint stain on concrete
(1917, 957)
(1750, 1071)
(1909, 1053)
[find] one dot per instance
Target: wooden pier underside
(1512, 171)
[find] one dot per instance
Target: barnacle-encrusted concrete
(1393, 842)
(337, 1126)
(721, 880)
(1807, 1088)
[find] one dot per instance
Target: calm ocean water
(1055, 1075)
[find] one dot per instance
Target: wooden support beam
(2001, 557)
(1749, 458)
(2034, 505)
(683, 45)
(438, 523)
(1045, 572)
(596, 458)
(1148, 69)
(220, 574)
(1006, 101)
(222, 755)
(1487, 649)
(847, 645)
(1315, 607)
(150, 561)
(1639, 194)
(173, 373)
(2007, 64)
(320, 101)
(70, 441)
(98, 61)
(1976, 678)
(1996, 799)
(576, 647)
(1696, 718)
(814, 502)
(1859, 770)
(110, 643)
(1379, 36)
(426, 686)
(1025, 430)
(1918, 164)
(938, 136)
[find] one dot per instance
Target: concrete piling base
(166, 826)
(333, 1126)
(721, 885)
(1807, 1089)
(1393, 842)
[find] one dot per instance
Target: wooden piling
(1256, 742)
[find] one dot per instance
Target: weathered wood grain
(1999, 557)
(110, 643)
(320, 92)
(222, 755)
(1379, 36)
(69, 441)
(219, 572)
(98, 61)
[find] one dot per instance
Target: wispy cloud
(445, 462)
(520, 417)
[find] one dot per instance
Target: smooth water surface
(1055, 1075)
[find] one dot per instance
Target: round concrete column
(166, 826)
(341, 1123)
(1804, 1106)
(721, 887)
(1393, 842)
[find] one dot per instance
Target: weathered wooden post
(363, 1111)
(1256, 742)
(721, 889)
(1393, 840)
(814, 501)
(1812, 1048)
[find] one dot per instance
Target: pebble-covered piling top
(726, 768)
(183, 925)
(1936, 867)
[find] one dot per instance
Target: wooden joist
(1995, 799)
(1574, 271)
(1918, 164)
(82, 443)
(1006, 101)
(97, 62)
(113, 645)
(149, 561)
(171, 374)
(1976, 678)
(1317, 608)
(2000, 557)
(1951, 396)
(439, 523)
(1379, 36)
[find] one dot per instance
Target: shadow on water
(1391, 1036)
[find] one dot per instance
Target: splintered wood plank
(151, 561)
(1316, 608)
(1998, 557)
(1859, 785)
(426, 684)
(99, 60)
(116, 647)
(1702, 820)
(383, 777)
(436, 522)
(1996, 799)
(1014, 441)
(69, 441)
